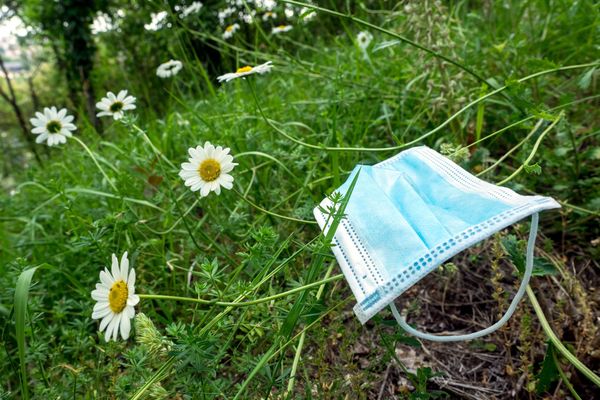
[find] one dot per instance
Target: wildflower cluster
(275, 17)
(207, 170)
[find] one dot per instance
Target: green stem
(557, 343)
(564, 377)
(417, 140)
(245, 303)
(580, 209)
(154, 148)
(265, 358)
(112, 196)
(534, 150)
(499, 131)
(265, 155)
(95, 162)
(290, 386)
(513, 149)
(304, 221)
(393, 34)
(298, 354)
(157, 377)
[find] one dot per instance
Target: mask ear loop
(511, 309)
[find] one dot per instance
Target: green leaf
(534, 169)
(20, 304)
(542, 267)
(480, 112)
(288, 325)
(481, 345)
(548, 373)
(586, 79)
(516, 251)
(512, 248)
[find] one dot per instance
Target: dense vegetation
(507, 89)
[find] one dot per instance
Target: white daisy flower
(247, 70)
(53, 127)
(269, 15)
(208, 169)
(230, 30)
(281, 29)
(113, 106)
(115, 297)
(364, 39)
(168, 69)
(192, 8)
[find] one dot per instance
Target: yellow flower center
(229, 28)
(282, 26)
(209, 170)
(117, 296)
(247, 68)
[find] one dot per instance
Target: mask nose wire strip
(511, 309)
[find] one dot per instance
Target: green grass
(296, 133)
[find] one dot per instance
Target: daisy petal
(125, 327)
(100, 294)
(42, 138)
(124, 267)
(105, 321)
(101, 313)
(133, 300)
(131, 280)
(116, 272)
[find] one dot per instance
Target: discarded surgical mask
(407, 215)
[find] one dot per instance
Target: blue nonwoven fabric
(409, 214)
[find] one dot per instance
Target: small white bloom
(281, 29)
(208, 169)
(192, 8)
(307, 14)
(269, 15)
(168, 69)
(364, 39)
(53, 127)
(225, 13)
(265, 4)
(248, 17)
(158, 21)
(230, 30)
(247, 70)
(102, 23)
(115, 299)
(113, 106)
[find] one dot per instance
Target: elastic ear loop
(511, 309)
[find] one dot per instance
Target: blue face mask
(409, 214)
